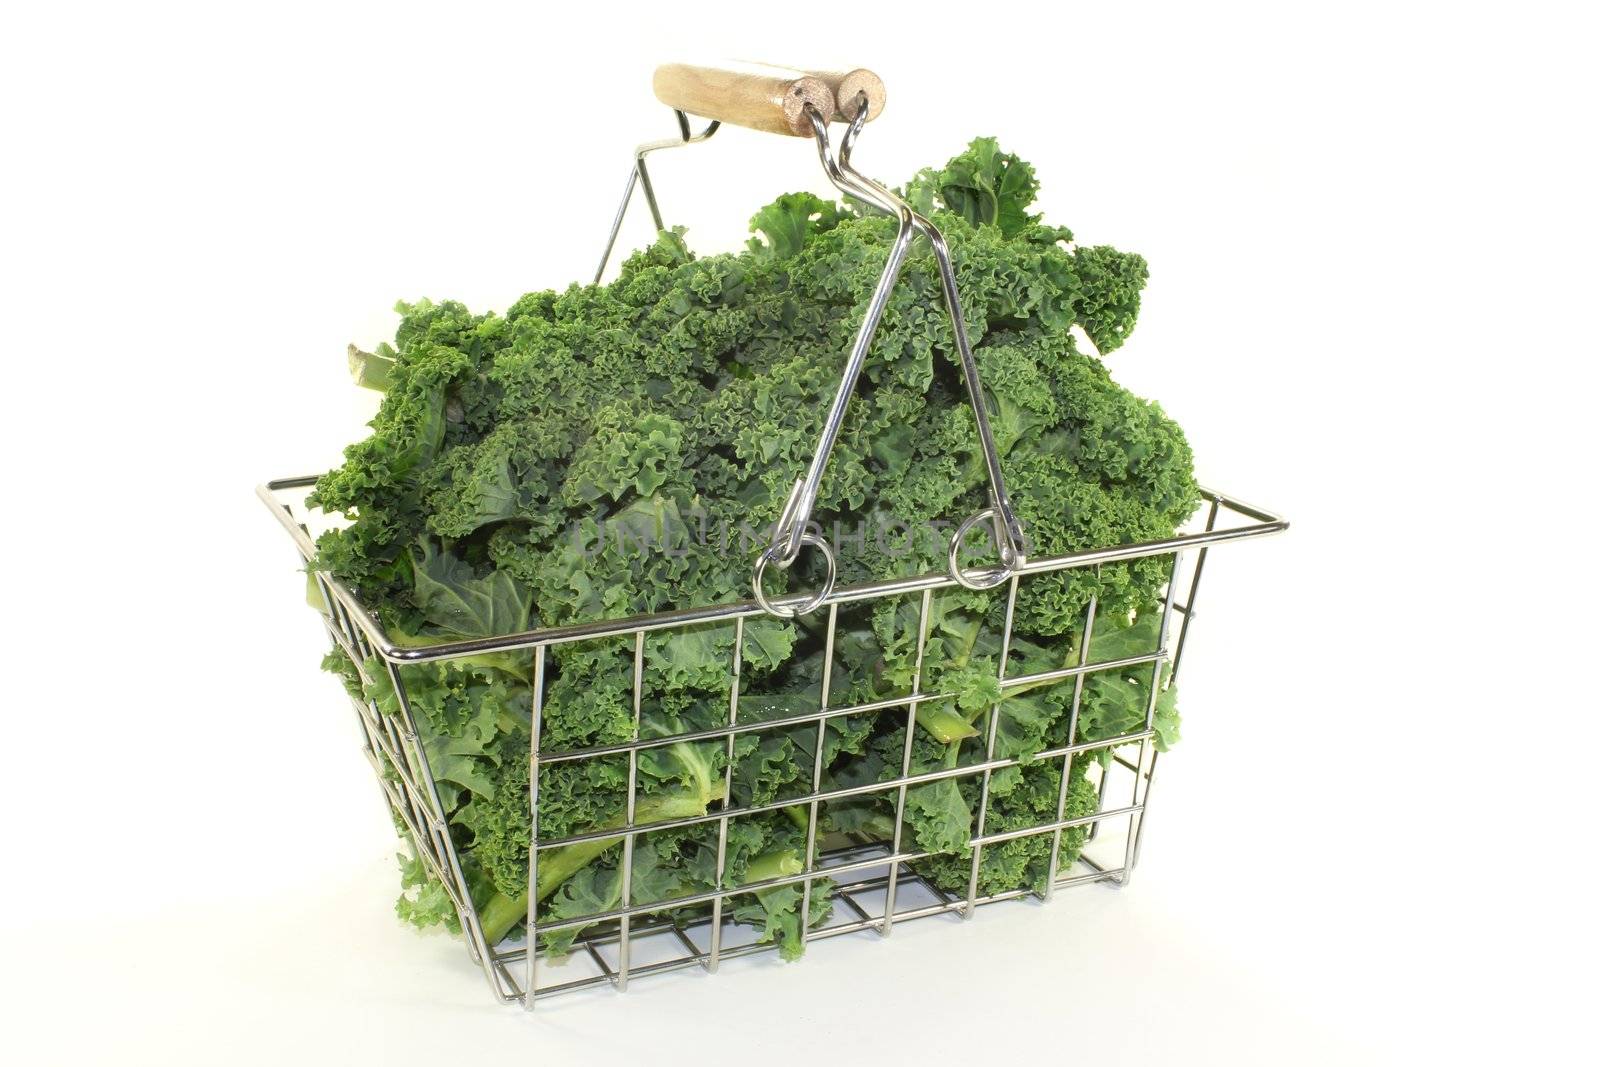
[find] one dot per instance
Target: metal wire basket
(874, 880)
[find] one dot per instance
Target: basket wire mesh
(876, 881)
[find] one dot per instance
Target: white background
(1372, 235)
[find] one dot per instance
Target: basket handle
(790, 532)
(767, 98)
(801, 104)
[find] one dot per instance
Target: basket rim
(273, 494)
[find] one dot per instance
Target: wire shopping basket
(873, 875)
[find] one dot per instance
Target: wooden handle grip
(768, 98)
(761, 98)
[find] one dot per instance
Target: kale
(616, 449)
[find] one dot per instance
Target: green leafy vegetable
(613, 450)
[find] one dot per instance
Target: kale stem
(774, 865)
(503, 912)
(946, 726)
(798, 815)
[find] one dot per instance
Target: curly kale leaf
(788, 221)
(1111, 283)
(451, 596)
(983, 185)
